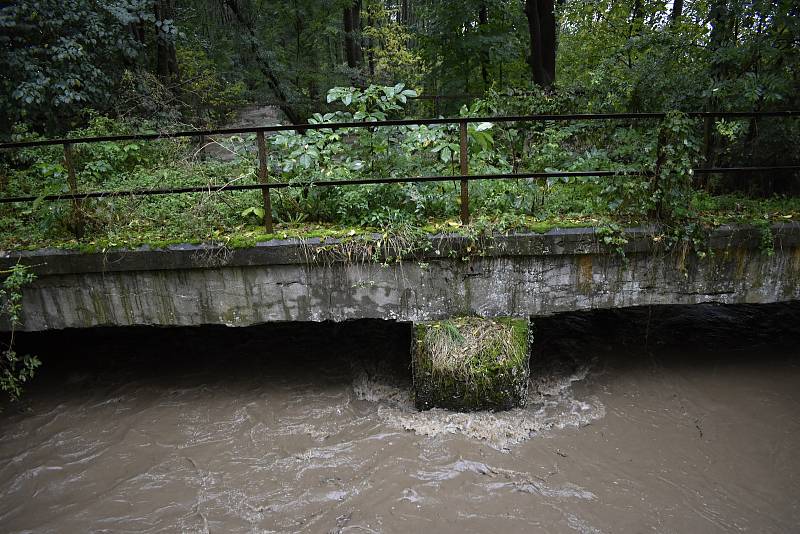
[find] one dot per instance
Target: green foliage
(630, 56)
(375, 103)
(60, 56)
(459, 50)
(612, 235)
(88, 68)
(665, 196)
(15, 369)
(667, 150)
(389, 45)
(209, 98)
(676, 154)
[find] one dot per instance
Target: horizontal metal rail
(393, 122)
(375, 181)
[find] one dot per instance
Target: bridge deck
(514, 275)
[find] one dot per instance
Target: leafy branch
(15, 369)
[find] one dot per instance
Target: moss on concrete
(470, 363)
(245, 236)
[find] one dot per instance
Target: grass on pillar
(469, 363)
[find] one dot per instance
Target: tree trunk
(542, 29)
(719, 38)
(352, 34)
(370, 47)
(637, 13)
(547, 19)
(677, 11)
(166, 59)
(298, 46)
(138, 31)
(483, 20)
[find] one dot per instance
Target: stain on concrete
(585, 278)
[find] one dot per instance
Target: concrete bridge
(290, 280)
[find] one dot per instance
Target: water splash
(552, 404)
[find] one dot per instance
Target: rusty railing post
(263, 178)
(77, 213)
(464, 172)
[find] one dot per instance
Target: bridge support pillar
(469, 363)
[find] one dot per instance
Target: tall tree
(542, 28)
(352, 34)
(483, 20)
(677, 11)
(370, 46)
(721, 35)
(166, 59)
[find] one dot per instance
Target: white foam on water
(551, 405)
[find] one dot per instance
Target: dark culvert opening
(319, 355)
(688, 335)
(302, 354)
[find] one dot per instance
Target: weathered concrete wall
(518, 275)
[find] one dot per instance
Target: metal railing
(464, 177)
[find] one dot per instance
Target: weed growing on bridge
(613, 237)
(15, 369)
(389, 244)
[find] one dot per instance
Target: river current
(668, 419)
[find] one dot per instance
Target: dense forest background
(195, 61)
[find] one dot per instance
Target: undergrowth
(401, 215)
(15, 369)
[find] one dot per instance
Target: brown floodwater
(646, 420)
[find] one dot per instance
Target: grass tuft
(471, 363)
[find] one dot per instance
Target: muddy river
(647, 420)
